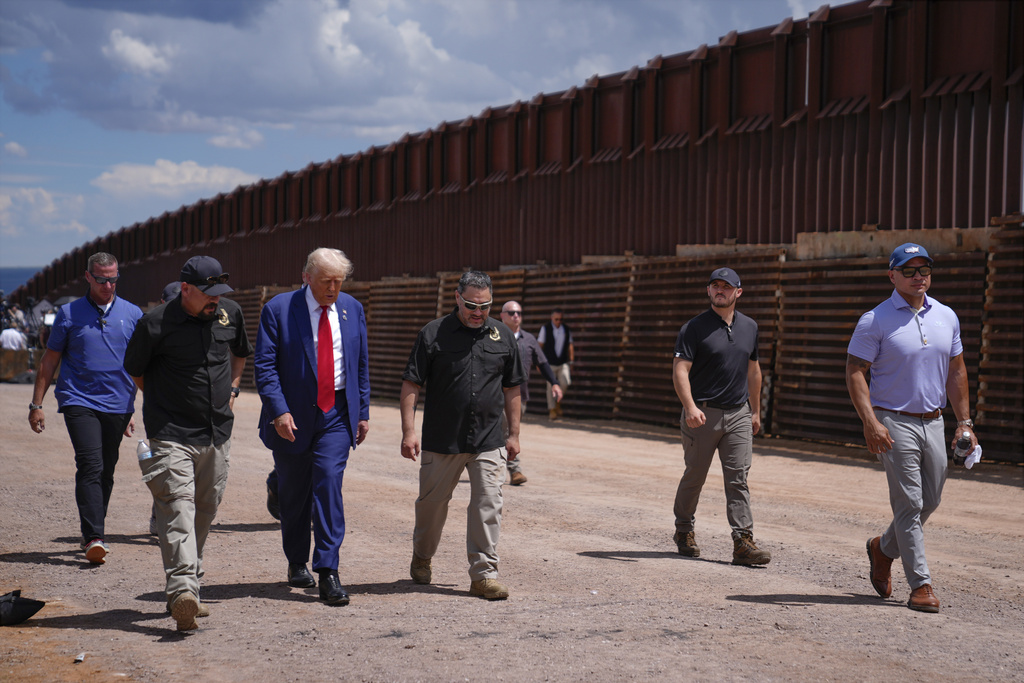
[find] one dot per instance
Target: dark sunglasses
(513, 312)
(470, 306)
(104, 280)
(221, 279)
(910, 271)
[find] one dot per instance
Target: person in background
(93, 392)
(910, 346)
(187, 357)
(530, 353)
(556, 340)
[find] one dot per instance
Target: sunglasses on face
(104, 280)
(221, 279)
(910, 271)
(470, 306)
(513, 312)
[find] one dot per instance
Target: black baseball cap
(171, 291)
(205, 273)
(727, 275)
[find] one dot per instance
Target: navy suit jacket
(285, 365)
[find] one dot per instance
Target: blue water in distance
(12, 278)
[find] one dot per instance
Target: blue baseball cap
(905, 252)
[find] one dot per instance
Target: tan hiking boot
(686, 544)
(745, 552)
(489, 589)
(518, 479)
(204, 611)
(419, 570)
(184, 610)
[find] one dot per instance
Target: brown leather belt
(922, 416)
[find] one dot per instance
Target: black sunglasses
(910, 271)
(513, 312)
(104, 280)
(221, 279)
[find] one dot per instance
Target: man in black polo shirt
(187, 356)
(470, 366)
(718, 381)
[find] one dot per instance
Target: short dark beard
(207, 316)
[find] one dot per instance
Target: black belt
(922, 416)
(719, 406)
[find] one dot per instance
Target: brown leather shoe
(881, 567)
(922, 599)
(518, 479)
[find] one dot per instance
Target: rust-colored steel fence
(625, 317)
(897, 113)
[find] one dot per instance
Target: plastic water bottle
(142, 450)
(963, 448)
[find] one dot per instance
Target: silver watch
(966, 423)
(35, 406)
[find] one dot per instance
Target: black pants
(96, 438)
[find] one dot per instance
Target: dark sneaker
(745, 552)
(686, 544)
(96, 550)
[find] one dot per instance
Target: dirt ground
(598, 592)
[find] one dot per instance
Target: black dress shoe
(273, 503)
(331, 591)
(299, 576)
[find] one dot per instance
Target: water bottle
(142, 450)
(963, 448)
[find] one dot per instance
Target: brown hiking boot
(881, 567)
(686, 545)
(922, 599)
(745, 551)
(518, 479)
(419, 570)
(184, 610)
(489, 589)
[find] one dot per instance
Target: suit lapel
(301, 321)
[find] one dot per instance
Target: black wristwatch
(235, 391)
(34, 406)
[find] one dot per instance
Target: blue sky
(113, 111)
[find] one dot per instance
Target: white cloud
(136, 56)
(800, 8)
(35, 211)
(168, 179)
(237, 139)
(15, 149)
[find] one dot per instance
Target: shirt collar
(312, 304)
(899, 302)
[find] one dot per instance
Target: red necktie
(324, 362)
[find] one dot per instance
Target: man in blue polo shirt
(911, 345)
(95, 394)
(718, 381)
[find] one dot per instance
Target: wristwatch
(235, 391)
(966, 423)
(34, 406)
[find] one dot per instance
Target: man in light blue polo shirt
(94, 393)
(911, 345)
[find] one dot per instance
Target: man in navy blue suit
(313, 376)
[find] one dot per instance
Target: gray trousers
(439, 475)
(513, 465)
(730, 433)
(915, 468)
(187, 483)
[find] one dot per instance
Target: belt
(719, 406)
(922, 416)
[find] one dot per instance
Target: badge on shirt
(223, 318)
(495, 335)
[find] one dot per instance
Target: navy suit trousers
(309, 485)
